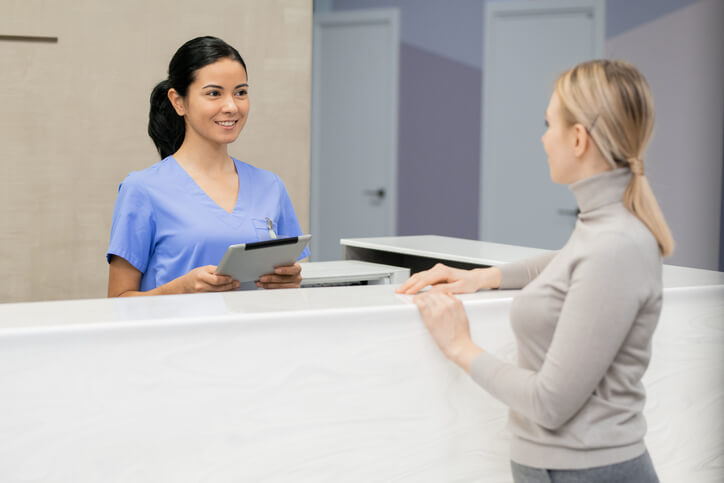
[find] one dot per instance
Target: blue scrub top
(165, 225)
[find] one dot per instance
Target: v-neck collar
(203, 196)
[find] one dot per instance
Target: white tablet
(247, 262)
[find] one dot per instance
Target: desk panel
(308, 385)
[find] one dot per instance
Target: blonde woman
(585, 317)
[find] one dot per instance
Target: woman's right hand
(204, 279)
(451, 280)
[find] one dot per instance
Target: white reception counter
(306, 385)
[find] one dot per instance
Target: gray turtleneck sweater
(583, 324)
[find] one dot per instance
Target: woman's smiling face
(216, 104)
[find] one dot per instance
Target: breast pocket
(262, 228)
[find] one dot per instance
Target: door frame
(390, 17)
(494, 10)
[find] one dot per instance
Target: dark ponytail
(166, 128)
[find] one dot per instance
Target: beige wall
(73, 120)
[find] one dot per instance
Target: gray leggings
(637, 470)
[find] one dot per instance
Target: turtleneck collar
(600, 190)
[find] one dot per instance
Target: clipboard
(246, 262)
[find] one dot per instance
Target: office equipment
(246, 262)
(351, 272)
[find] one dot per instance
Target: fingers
(295, 269)
(447, 288)
(427, 303)
(272, 286)
(289, 276)
(433, 303)
(224, 287)
(413, 284)
(273, 278)
(438, 273)
(208, 275)
(279, 281)
(445, 318)
(425, 306)
(214, 282)
(435, 306)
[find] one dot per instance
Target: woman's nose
(229, 104)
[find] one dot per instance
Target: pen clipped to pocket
(265, 228)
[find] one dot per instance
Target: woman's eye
(212, 93)
(546, 123)
(241, 93)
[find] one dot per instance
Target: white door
(354, 127)
(527, 45)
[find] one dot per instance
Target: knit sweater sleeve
(519, 274)
(607, 288)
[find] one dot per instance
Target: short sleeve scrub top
(165, 225)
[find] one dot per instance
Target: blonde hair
(612, 100)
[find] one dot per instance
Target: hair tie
(637, 166)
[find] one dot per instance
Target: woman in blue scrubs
(173, 222)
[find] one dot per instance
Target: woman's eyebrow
(220, 87)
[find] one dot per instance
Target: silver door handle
(379, 193)
(567, 212)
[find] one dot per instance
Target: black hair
(166, 128)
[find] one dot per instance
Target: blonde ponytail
(639, 199)
(614, 99)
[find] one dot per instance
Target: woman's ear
(580, 140)
(176, 101)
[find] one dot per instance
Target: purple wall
(439, 114)
(623, 15)
(439, 145)
(447, 28)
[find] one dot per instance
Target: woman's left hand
(445, 318)
(289, 276)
